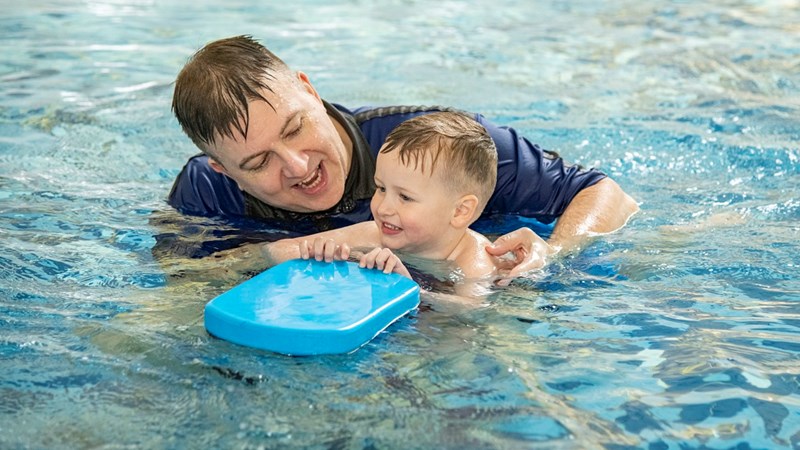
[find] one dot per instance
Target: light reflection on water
(679, 330)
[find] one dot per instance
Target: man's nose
(295, 163)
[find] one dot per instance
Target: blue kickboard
(307, 307)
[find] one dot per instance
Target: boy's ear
(464, 213)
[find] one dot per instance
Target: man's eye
(295, 131)
(262, 164)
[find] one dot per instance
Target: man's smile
(313, 182)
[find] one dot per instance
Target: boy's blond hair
(453, 142)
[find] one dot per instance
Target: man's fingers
(531, 262)
(344, 252)
(330, 250)
(501, 245)
(506, 264)
(318, 249)
(519, 238)
(304, 249)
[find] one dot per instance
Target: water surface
(680, 331)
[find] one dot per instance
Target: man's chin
(316, 205)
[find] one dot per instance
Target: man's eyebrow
(244, 162)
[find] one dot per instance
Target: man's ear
(216, 166)
(464, 213)
(219, 168)
(306, 83)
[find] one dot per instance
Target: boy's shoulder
(475, 262)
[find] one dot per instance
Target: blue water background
(680, 331)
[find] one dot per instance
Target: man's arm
(598, 209)
(363, 234)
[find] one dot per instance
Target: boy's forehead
(420, 162)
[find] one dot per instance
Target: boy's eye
(405, 198)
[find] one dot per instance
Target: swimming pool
(680, 331)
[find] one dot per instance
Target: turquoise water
(680, 331)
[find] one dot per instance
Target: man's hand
(274, 253)
(323, 250)
(599, 209)
(530, 252)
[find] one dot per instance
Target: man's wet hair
(214, 88)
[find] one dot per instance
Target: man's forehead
(263, 118)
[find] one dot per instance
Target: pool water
(680, 331)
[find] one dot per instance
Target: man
(274, 150)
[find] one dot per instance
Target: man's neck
(348, 143)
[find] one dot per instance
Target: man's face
(294, 156)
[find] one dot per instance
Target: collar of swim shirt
(360, 182)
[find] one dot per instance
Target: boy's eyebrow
(247, 159)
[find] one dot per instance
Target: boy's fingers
(382, 257)
(390, 265)
(368, 260)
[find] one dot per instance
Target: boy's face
(412, 209)
(293, 157)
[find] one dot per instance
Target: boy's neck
(466, 249)
(461, 243)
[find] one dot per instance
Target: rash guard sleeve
(531, 181)
(200, 191)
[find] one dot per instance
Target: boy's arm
(363, 234)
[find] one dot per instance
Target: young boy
(434, 175)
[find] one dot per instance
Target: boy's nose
(385, 207)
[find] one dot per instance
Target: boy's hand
(383, 259)
(323, 250)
